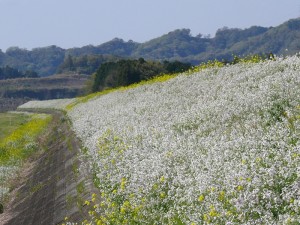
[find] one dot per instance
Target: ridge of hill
(176, 45)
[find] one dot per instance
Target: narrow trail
(50, 186)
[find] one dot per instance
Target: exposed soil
(50, 185)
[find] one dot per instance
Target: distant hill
(176, 45)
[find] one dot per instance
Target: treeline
(84, 64)
(178, 45)
(126, 72)
(11, 73)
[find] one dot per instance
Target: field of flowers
(49, 104)
(18, 144)
(218, 146)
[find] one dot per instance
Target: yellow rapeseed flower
(123, 183)
(123, 210)
(201, 198)
(162, 194)
(240, 188)
(206, 217)
(99, 222)
(222, 195)
(213, 212)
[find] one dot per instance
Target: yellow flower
(123, 183)
(201, 198)
(99, 222)
(87, 202)
(155, 186)
(240, 188)
(205, 217)
(123, 210)
(213, 212)
(162, 179)
(222, 195)
(126, 204)
(131, 195)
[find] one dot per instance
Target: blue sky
(75, 23)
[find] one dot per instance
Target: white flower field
(218, 146)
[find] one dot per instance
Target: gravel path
(50, 186)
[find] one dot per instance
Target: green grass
(9, 122)
(20, 142)
(19, 133)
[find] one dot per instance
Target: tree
(126, 72)
(69, 63)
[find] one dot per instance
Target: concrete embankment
(50, 185)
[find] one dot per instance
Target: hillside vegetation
(126, 72)
(18, 140)
(216, 145)
(11, 73)
(176, 45)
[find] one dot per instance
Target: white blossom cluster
(49, 104)
(219, 146)
(6, 173)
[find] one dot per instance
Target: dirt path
(50, 185)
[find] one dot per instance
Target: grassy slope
(218, 146)
(214, 147)
(17, 142)
(10, 122)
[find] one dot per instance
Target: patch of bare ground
(50, 186)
